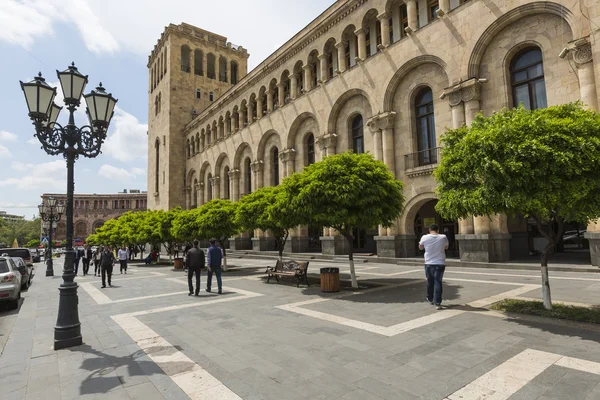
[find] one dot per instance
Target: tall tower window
(157, 166)
(210, 67)
(227, 184)
(248, 172)
(222, 69)
(211, 96)
(198, 62)
(528, 83)
(185, 58)
(234, 73)
(209, 188)
(198, 94)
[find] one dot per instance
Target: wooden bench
(297, 269)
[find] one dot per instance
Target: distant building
(10, 217)
(91, 211)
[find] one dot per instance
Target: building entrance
(426, 216)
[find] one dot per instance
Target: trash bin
(330, 280)
(178, 263)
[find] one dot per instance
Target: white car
(10, 282)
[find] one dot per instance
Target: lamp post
(50, 213)
(71, 142)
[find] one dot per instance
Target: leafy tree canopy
(185, 226)
(216, 219)
(543, 163)
(345, 191)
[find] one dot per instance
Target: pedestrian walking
(107, 261)
(215, 257)
(195, 261)
(435, 246)
(87, 257)
(123, 256)
(97, 256)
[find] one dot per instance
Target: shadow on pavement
(100, 379)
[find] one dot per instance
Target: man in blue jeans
(215, 257)
(435, 246)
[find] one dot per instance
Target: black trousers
(106, 270)
(86, 265)
(96, 267)
(191, 272)
(123, 265)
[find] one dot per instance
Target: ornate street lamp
(50, 213)
(71, 142)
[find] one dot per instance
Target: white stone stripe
(95, 293)
(522, 276)
(490, 282)
(129, 278)
(148, 297)
(392, 274)
(505, 295)
(193, 380)
(506, 379)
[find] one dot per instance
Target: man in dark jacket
(194, 260)
(87, 257)
(107, 261)
(215, 257)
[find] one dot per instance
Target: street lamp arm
(52, 138)
(90, 142)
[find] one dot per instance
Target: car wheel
(25, 286)
(14, 304)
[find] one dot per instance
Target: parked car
(10, 283)
(25, 254)
(26, 272)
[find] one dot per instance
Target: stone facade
(375, 62)
(91, 211)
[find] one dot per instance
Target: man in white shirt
(123, 256)
(435, 246)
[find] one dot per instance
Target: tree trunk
(350, 240)
(545, 280)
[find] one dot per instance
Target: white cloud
(128, 140)
(25, 21)
(34, 141)
(119, 174)
(40, 177)
(4, 152)
(7, 137)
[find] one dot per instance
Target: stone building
(384, 76)
(11, 217)
(91, 211)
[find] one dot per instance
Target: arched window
(198, 94)
(425, 127)
(234, 73)
(275, 156)
(358, 139)
(248, 172)
(310, 149)
(159, 101)
(227, 184)
(157, 166)
(188, 148)
(211, 96)
(156, 106)
(195, 194)
(222, 69)
(198, 62)
(528, 84)
(185, 58)
(210, 67)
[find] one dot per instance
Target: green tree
(266, 209)
(347, 192)
(185, 226)
(32, 243)
(543, 164)
(217, 219)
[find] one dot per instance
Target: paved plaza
(146, 339)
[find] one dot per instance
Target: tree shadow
(124, 366)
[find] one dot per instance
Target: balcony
(422, 162)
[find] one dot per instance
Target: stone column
(384, 19)
(200, 193)
(341, 53)
(234, 179)
(269, 101)
(188, 197)
(216, 187)
(470, 94)
(281, 93)
(373, 125)
(249, 113)
(362, 44)
(323, 65)
(307, 78)
(259, 107)
(411, 9)
(444, 8)
(287, 158)
(585, 70)
(293, 86)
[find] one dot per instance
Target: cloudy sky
(109, 40)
